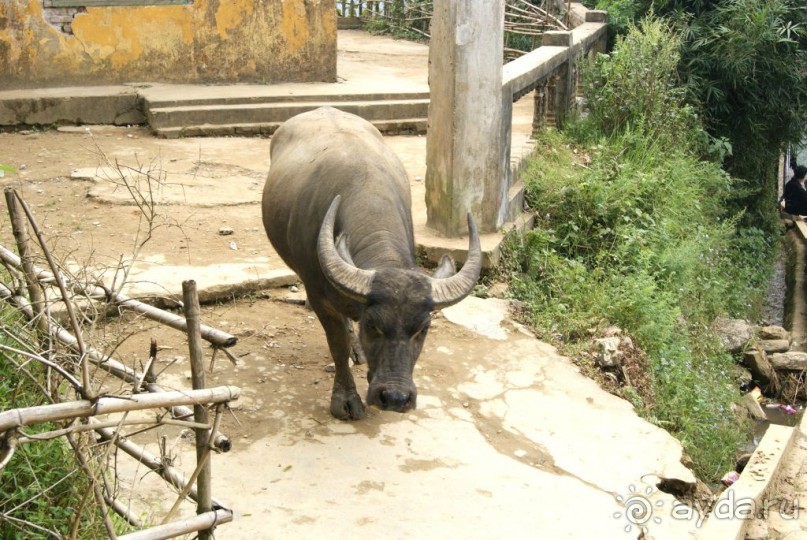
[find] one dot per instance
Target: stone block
(773, 332)
(734, 333)
(774, 345)
(762, 370)
(791, 361)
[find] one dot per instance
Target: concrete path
(509, 440)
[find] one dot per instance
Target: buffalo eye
(422, 328)
(373, 328)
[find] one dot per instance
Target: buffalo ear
(445, 269)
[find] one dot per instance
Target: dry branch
(86, 390)
(95, 485)
(107, 363)
(197, 523)
(212, 335)
(171, 474)
(20, 231)
(152, 422)
(27, 416)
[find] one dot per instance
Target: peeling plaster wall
(209, 41)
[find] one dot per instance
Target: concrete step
(256, 97)
(262, 117)
(405, 126)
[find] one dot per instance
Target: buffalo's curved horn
(348, 279)
(452, 289)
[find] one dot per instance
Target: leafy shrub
(42, 490)
(635, 229)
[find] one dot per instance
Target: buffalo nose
(395, 400)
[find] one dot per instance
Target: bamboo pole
(27, 416)
(200, 522)
(109, 364)
(20, 231)
(213, 335)
(204, 482)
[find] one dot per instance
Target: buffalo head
(396, 306)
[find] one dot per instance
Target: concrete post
(465, 146)
(564, 83)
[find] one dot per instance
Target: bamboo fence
(80, 415)
(525, 21)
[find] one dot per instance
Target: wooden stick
(205, 521)
(25, 439)
(27, 416)
(96, 487)
(169, 473)
(86, 391)
(212, 335)
(204, 483)
(20, 231)
(121, 510)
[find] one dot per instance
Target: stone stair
(391, 113)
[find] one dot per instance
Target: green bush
(642, 237)
(42, 489)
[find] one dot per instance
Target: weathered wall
(209, 41)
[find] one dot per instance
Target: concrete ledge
(739, 504)
(117, 105)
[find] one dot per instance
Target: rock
(773, 332)
(611, 331)
(734, 333)
(752, 405)
(498, 290)
(741, 462)
(608, 353)
(757, 530)
(741, 375)
(791, 360)
(762, 370)
(773, 345)
(225, 230)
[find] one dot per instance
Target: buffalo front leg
(346, 403)
(356, 352)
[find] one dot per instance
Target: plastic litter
(729, 478)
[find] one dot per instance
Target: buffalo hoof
(347, 406)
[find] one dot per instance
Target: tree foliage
(744, 64)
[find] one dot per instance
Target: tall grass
(43, 492)
(633, 230)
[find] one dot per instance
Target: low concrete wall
(207, 41)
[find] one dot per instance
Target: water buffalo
(337, 208)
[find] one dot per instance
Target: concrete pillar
(465, 154)
(564, 82)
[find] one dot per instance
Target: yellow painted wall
(209, 41)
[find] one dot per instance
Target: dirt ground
(105, 229)
(281, 348)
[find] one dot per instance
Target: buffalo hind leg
(346, 403)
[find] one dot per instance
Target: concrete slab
(745, 499)
(509, 441)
